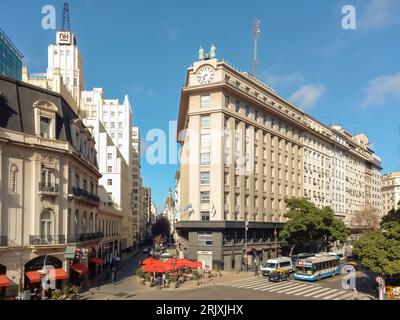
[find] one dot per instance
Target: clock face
(205, 75)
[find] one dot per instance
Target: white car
(278, 263)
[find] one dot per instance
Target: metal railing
(39, 240)
(89, 236)
(78, 192)
(48, 187)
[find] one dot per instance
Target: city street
(231, 286)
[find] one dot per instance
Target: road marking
(346, 296)
(318, 291)
(276, 286)
(307, 290)
(341, 292)
(241, 283)
(325, 293)
(299, 286)
(264, 285)
(291, 285)
(250, 283)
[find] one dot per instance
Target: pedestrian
(159, 280)
(113, 274)
(164, 281)
(256, 269)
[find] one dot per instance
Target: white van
(278, 263)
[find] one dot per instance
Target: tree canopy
(379, 251)
(393, 215)
(310, 224)
(161, 228)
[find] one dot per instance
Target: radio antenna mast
(65, 18)
(256, 36)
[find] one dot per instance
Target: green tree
(161, 228)
(309, 224)
(379, 251)
(393, 215)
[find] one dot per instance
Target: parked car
(277, 263)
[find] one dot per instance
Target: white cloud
(306, 96)
(382, 88)
(381, 13)
(277, 80)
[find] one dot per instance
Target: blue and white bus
(317, 268)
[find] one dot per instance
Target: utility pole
(246, 227)
(256, 36)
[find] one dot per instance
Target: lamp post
(43, 271)
(246, 224)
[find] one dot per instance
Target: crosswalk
(291, 287)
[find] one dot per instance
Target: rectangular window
(237, 106)
(109, 169)
(112, 125)
(112, 113)
(205, 197)
(85, 184)
(120, 135)
(226, 102)
(204, 239)
(45, 127)
(205, 101)
(205, 158)
(109, 156)
(109, 182)
(205, 215)
(120, 125)
(205, 122)
(205, 141)
(247, 111)
(205, 177)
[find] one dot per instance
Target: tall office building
(112, 126)
(244, 149)
(136, 187)
(390, 191)
(10, 58)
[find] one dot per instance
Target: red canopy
(80, 268)
(4, 281)
(58, 274)
(199, 264)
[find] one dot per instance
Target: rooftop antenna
(65, 18)
(256, 36)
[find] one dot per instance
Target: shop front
(4, 282)
(34, 273)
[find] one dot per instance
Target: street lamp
(246, 226)
(44, 271)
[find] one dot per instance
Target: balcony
(48, 188)
(43, 240)
(83, 237)
(3, 241)
(81, 193)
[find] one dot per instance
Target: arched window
(84, 222)
(46, 223)
(91, 225)
(13, 178)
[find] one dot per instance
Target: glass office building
(10, 58)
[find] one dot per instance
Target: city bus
(317, 268)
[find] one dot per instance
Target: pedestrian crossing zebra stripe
(326, 293)
(319, 290)
(288, 285)
(292, 288)
(346, 296)
(334, 295)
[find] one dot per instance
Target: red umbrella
(149, 261)
(184, 263)
(156, 267)
(199, 264)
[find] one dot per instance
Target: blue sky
(142, 48)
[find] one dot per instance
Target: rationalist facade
(10, 58)
(243, 150)
(49, 188)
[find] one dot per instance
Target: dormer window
(45, 118)
(45, 127)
